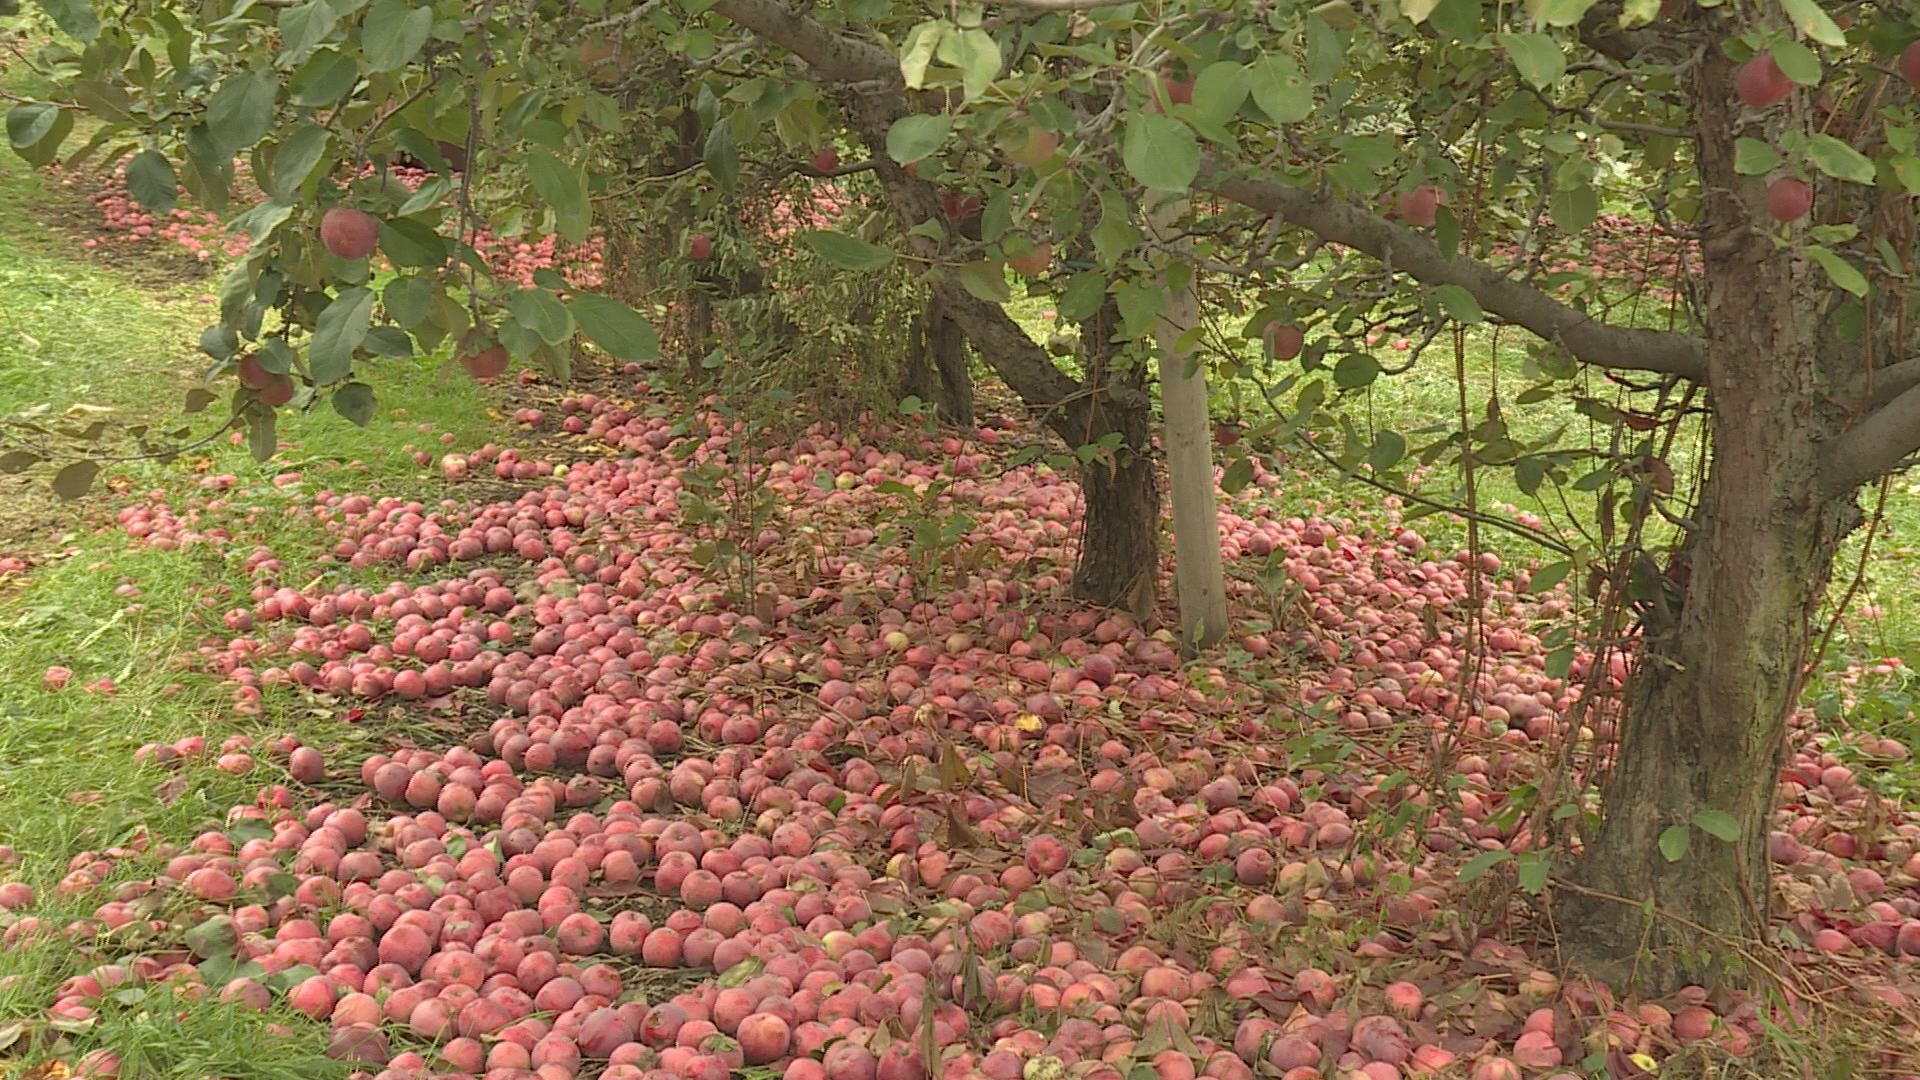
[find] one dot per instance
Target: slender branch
(1876, 445)
(1590, 341)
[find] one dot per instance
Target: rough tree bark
(936, 367)
(1187, 435)
(1119, 561)
(1707, 704)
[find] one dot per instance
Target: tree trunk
(936, 366)
(1119, 549)
(1187, 435)
(1119, 557)
(1119, 561)
(947, 344)
(1708, 701)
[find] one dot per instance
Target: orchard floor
(351, 757)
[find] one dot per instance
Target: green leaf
(1458, 303)
(615, 327)
(564, 188)
(306, 25)
(408, 299)
(1636, 13)
(1389, 447)
(722, 157)
(976, 54)
(262, 433)
(1416, 11)
(1813, 22)
(1673, 842)
(75, 17)
(912, 138)
(1532, 870)
(297, 159)
(986, 279)
(393, 33)
(1355, 370)
(1083, 296)
(1537, 56)
(1160, 152)
(389, 341)
(356, 402)
(337, 333)
(542, 312)
(1797, 62)
(1280, 88)
(241, 111)
(1718, 824)
(1838, 160)
(1220, 90)
(1842, 272)
(1482, 863)
(74, 480)
(29, 123)
(1114, 236)
(918, 52)
(411, 243)
(322, 80)
(1559, 12)
(1550, 575)
(1752, 157)
(846, 252)
(275, 357)
(150, 179)
(1574, 208)
(1237, 475)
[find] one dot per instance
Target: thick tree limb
(1878, 444)
(1590, 342)
(1886, 383)
(834, 56)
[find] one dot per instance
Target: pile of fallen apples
(841, 824)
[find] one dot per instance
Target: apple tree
(1422, 157)
(1316, 172)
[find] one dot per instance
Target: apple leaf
(1160, 152)
(846, 252)
(1673, 842)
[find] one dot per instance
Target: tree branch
(1884, 384)
(832, 55)
(1590, 341)
(1876, 445)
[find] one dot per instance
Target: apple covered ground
(598, 813)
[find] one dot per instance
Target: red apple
(1040, 145)
(1789, 199)
(956, 206)
(1761, 83)
(699, 247)
(278, 391)
(1417, 207)
(252, 375)
(1910, 65)
(349, 233)
(1177, 91)
(826, 159)
(595, 51)
(1283, 340)
(483, 358)
(1034, 262)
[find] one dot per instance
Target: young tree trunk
(1187, 435)
(1707, 704)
